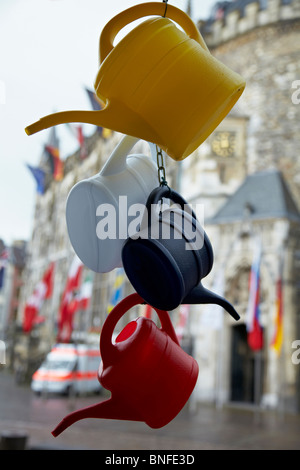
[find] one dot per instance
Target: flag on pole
(85, 293)
(278, 335)
(39, 176)
(42, 291)
(81, 141)
(97, 106)
(254, 329)
(53, 154)
(77, 132)
(55, 162)
(78, 299)
(3, 263)
(81, 299)
(117, 290)
(68, 304)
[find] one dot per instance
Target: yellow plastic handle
(112, 28)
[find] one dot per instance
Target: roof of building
(262, 195)
(222, 8)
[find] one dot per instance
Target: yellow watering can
(159, 83)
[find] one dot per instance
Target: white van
(68, 369)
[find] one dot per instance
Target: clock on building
(223, 143)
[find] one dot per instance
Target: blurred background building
(247, 177)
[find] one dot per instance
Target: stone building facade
(10, 287)
(254, 147)
(50, 243)
(260, 40)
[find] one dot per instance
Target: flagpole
(89, 316)
(90, 310)
(219, 394)
(54, 309)
(257, 383)
(281, 359)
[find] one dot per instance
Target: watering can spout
(201, 295)
(109, 409)
(63, 117)
(115, 115)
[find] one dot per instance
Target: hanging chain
(161, 171)
(159, 156)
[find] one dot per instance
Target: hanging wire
(160, 159)
(166, 2)
(159, 156)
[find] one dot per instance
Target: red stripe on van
(54, 377)
(67, 351)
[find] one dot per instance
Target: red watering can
(149, 375)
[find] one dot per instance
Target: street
(201, 428)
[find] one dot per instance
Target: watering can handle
(117, 161)
(118, 311)
(115, 25)
(166, 192)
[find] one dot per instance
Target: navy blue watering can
(168, 257)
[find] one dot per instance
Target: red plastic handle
(106, 345)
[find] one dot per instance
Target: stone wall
(266, 54)
(234, 19)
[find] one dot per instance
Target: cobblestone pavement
(195, 428)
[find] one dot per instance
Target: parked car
(68, 368)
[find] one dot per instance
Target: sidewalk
(208, 429)
(204, 428)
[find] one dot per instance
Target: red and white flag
(254, 328)
(77, 132)
(85, 293)
(42, 291)
(68, 304)
(3, 263)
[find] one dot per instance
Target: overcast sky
(48, 55)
